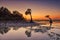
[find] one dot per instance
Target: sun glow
(39, 9)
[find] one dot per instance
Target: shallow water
(39, 32)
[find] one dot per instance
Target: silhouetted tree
(29, 12)
(50, 20)
(1, 11)
(5, 14)
(18, 16)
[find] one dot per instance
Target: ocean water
(12, 31)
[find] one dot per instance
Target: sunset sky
(39, 8)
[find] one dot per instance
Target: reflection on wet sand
(6, 27)
(4, 30)
(53, 35)
(42, 29)
(29, 29)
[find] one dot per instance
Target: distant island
(6, 15)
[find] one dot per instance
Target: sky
(40, 8)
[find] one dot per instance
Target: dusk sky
(39, 8)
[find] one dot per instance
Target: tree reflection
(41, 29)
(4, 30)
(28, 32)
(5, 27)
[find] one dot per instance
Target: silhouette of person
(50, 20)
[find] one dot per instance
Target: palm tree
(29, 12)
(47, 16)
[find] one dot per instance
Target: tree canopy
(6, 14)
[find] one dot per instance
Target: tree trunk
(31, 18)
